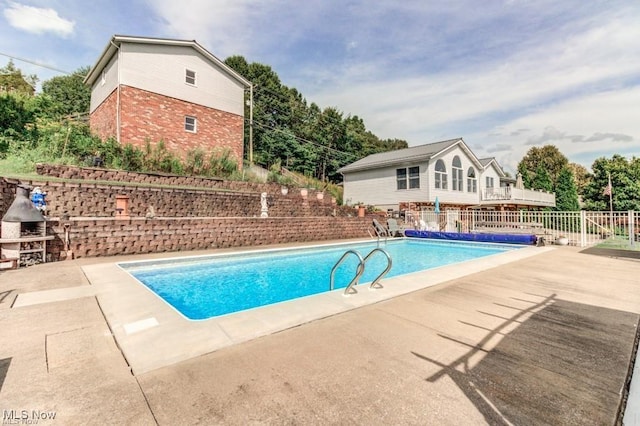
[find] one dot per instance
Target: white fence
(581, 228)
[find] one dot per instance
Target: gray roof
(486, 161)
(414, 153)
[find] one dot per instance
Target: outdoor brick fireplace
(23, 232)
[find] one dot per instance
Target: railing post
(630, 226)
(583, 228)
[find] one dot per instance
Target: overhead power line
(29, 61)
(337, 151)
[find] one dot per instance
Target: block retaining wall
(99, 200)
(229, 219)
(90, 173)
(91, 237)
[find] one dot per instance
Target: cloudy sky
(504, 75)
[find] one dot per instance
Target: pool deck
(544, 337)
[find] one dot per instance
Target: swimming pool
(209, 286)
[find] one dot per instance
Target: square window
(190, 124)
(190, 77)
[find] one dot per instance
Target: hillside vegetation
(52, 126)
(299, 143)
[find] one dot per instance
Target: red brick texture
(153, 117)
(103, 121)
(149, 116)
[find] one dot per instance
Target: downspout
(117, 91)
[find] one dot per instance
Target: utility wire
(35, 63)
(265, 126)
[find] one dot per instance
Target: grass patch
(619, 243)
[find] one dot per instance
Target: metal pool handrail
(350, 288)
(375, 283)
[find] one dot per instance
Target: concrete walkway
(543, 340)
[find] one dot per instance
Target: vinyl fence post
(583, 228)
(631, 225)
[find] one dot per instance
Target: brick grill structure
(149, 116)
(189, 219)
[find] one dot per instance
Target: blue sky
(504, 75)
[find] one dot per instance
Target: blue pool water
(205, 287)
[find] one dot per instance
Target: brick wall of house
(103, 121)
(107, 237)
(149, 116)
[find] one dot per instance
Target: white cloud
(583, 128)
(502, 76)
(37, 20)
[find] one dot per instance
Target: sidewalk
(546, 339)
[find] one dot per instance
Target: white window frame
(401, 179)
(188, 79)
(414, 177)
(190, 124)
(440, 175)
(489, 182)
(456, 174)
(472, 180)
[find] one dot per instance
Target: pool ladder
(350, 289)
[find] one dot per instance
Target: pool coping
(151, 334)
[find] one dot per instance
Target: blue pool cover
(528, 239)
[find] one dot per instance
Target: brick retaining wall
(90, 173)
(185, 219)
(99, 200)
(106, 237)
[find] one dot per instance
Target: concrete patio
(546, 339)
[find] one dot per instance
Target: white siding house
(447, 170)
(152, 64)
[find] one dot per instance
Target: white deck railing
(509, 193)
(581, 228)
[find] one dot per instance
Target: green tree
(524, 172)
(542, 180)
(68, 94)
(581, 176)
(303, 137)
(13, 81)
(625, 184)
(549, 157)
(566, 192)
